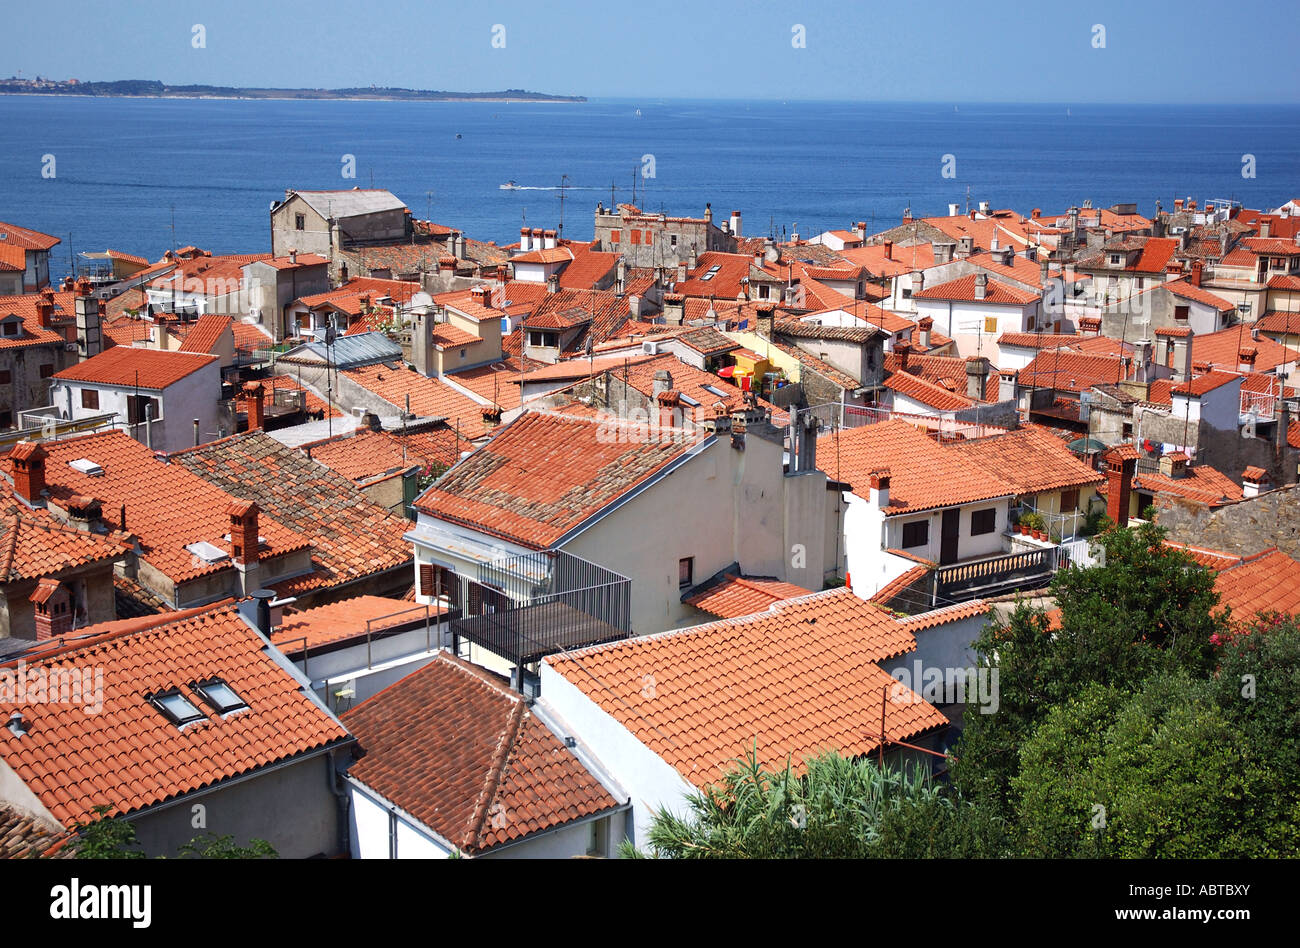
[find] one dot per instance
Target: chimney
(981, 285)
(482, 295)
(370, 421)
(245, 552)
(523, 239)
(1119, 474)
(1173, 465)
(674, 309)
(293, 255)
(27, 465)
(1182, 359)
(1142, 350)
(954, 210)
(804, 434)
(553, 283)
(663, 382)
(879, 484)
(994, 245)
(44, 311)
(918, 280)
(620, 278)
(84, 512)
(964, 247)
(447, 263)
(766, 320)
(1196, 272)
(902, 350)
(1254, 480)
(925, 325)
(669, 402)
(1007, 385)
(860, 230)
(254, 406)
(1265, 227)
(681, 272)
(1090, 325)
(735, 223)
(1178, 205)
(1246, 356)
(708, 211)
(1036, 213)
(548, 240)
(52, 608)
(977, 370)
(889, 250)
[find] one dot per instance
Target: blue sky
(1194, 51)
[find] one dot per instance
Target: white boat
(510, 186)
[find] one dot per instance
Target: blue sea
(143, 175)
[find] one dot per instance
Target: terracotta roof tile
(1202, 384)
(463, 754)
(33, 544)
(206, 332)
(1201, 483)
(1266, 582)
(430, 397)
(1221, 349)
(131, 366)
(131, 756)
(923, 473)
(544, 474)
(1031, 461)
(351, 537)
(795, 681)
(33, 333)
(963, 289)
(743, 595)
(927, 393)
(26, 238)
(347, 619)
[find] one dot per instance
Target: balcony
(525, 607)
(997, 575)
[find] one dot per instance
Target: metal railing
(997, 574)
(525, 607)
(377, 629)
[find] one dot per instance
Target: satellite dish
(274, 205)
(419, 300)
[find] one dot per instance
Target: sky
(1152, 51)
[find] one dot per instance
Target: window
(648, 237)
(672, 240)
(636, 237)
(6, 377)
(686, 571)
(141, 408)
(545, 340)
(598, 840)
(1243, 310)
(1180, 313)
(176, 707)
(763, 291)
(614, 236)
(90, 398)
(991, 325)
(220, 695)
(1115, 260)
(6, 419)
(907, 293)
(11, 328)
(1069, 500)
(47, 370)
(300, 222)
(462, 354)
(916, 533)
(983, 521)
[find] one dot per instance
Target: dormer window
(220, 695)
(11, 327)
(1116, 260)
(176, 707)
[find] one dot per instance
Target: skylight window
(176, 707)
(220, 695)
(713, 271)
(713, 390)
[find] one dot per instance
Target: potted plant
(1035, 524)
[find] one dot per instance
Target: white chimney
(523, 239)
(879, 483)
(954, 210)
(981, 285)
(735, 223)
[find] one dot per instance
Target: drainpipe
(343, 799)
(196, 432)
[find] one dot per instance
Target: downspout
(343, 800)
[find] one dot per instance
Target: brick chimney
(44, 311)
(446, 263)
(27, 465)
(1197, 267)
(766, 320)
(254, 406)
(1246, 357)
(52, 609)
(1119, 475)
(889, 250)
(669, 408)
(903, 350)
(481, 295)
(878, 481)
(244, 546)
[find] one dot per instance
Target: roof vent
(207, 552)
(86, 466)
(16, 724)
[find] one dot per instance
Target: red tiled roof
(1202, 384)
(927, 393)
(302, 260)
(1031, 461)
(33, 334)
(892, 589)
(26, 238)
(1070, 371)
(126, 257)
(963, 289)
(1201, 483)
(1266, 582)
(205, 333)
(743, 595)
(33, 544)
(447, 336)
(135, 366)
(1284, 282)
(167, 507)
(366, 455)
(690, 381)
(1210, 559)
(351, 537)
(430, 397)
(131, 756)
(795, 681)
(465, 756)
(12, 258)
(347, 619)
(347, 296)
(1180, 332)
(543, 475)
(1221, 349)
(924, 474)
(948, 372)
(1280, 321)
(1189, 291)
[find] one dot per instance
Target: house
(662, 506)
(272, 285)
(54, 578)
(167, 400)
(324, 222)
(910, 498)
(451, 761)
(355, 546)
(648, 240)
(461, 330)
(667, 714)
(382, 465)
(38, 337)
(167, 719)
(195, 282)
(24, 259)
(975, 310)
(194, 543)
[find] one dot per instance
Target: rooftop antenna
(428, 207)
(634, 186)
(173, 228)
(564, 183)
(612, 206)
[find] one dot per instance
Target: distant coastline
(153, 89)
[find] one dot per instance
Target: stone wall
(1245, 527)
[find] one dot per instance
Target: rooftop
(733, 595)
(137, 367)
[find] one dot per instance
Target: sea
(145, 175)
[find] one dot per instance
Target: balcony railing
(998, 574)
(525, 607)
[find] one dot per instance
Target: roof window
(176, 707)
(220, 695)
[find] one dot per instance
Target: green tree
(106, 838)
(212, 846)
(839, 808)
